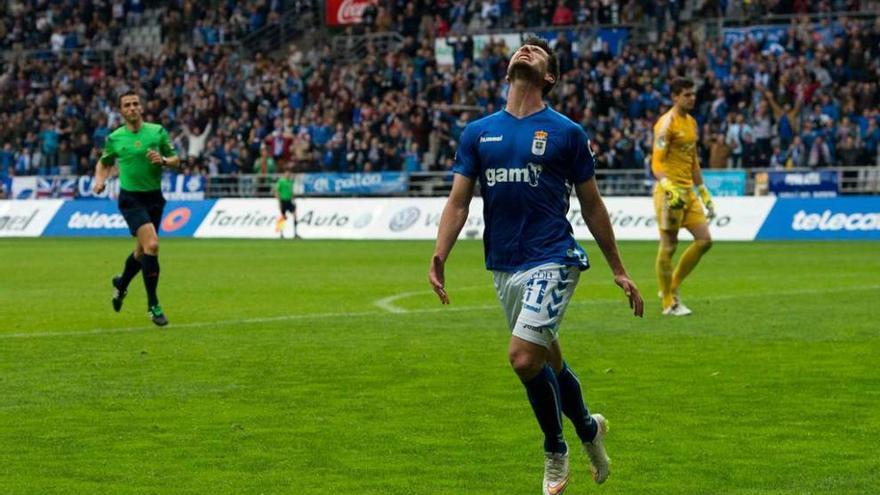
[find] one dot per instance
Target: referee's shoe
(118, 293)
(157, 315)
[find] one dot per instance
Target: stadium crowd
(808, 99)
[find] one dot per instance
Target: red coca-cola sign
(345, 12)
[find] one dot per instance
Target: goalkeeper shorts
(668, 218)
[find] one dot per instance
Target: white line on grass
(387, 303)
(455, 309)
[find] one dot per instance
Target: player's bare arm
(452, 220)
(596, 217)
(101, 173)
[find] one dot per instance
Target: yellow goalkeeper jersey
(675, 147)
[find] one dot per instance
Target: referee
(284, 193)
(139, 149)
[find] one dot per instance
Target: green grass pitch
(323, 367)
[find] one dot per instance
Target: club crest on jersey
(137, 144)
(539, 143)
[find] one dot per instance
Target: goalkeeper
(675, 165)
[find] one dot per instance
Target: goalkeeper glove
(674, 195)
(707, 200)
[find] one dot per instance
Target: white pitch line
(454, 309)
(387, 303)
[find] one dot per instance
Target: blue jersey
(526, 169)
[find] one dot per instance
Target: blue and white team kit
(527, 168)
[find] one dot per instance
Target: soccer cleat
(555, 473)
(599, 461)
(677, 309)
(118, 294)
(155, 313)
(682, 310)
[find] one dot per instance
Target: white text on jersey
(529, 174)
(491, 139)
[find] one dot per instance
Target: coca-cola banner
(345, 12)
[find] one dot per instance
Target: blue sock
(543, 392)
(573, 404)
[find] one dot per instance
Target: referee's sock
(573, 404)
(150, 265)
(132, 267)
(543, 392)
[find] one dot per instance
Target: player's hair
(552, 63)
(680, 84)
(130, 92)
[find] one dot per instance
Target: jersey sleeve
(662, 134)
(583, 165)
(165, 148)
(467, 161)
(108, 154)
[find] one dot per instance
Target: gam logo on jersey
(539, 143)
(530, 174)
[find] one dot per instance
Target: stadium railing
(631, 182)
(349, 47)
(276, 35)
(99, 56)
(634, 182)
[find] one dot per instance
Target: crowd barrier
(739, 218)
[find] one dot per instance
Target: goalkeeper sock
(150, 266)
(664, 273)
(132, 267)
(543, 393)
(573, 404)
(688, 261)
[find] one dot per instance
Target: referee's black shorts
(287, 205)
(139, 208)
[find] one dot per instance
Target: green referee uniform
(140, 181)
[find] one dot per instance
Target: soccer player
(284, 193)
(527, 159)
(139, 150)
(677, 170)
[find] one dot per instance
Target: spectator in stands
(7, 161)
(734, 139)
(849, 152)
(796, 155)
(778, 158)
(196, 141)
(820, 153)
(562, 16)
(719, 152)
(265, 163)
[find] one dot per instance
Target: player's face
(529, 62)
(686, 99)
(132, 111)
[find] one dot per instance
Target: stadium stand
(807, 97)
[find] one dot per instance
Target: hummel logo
(491, 139)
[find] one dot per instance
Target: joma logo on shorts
(535, 329)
